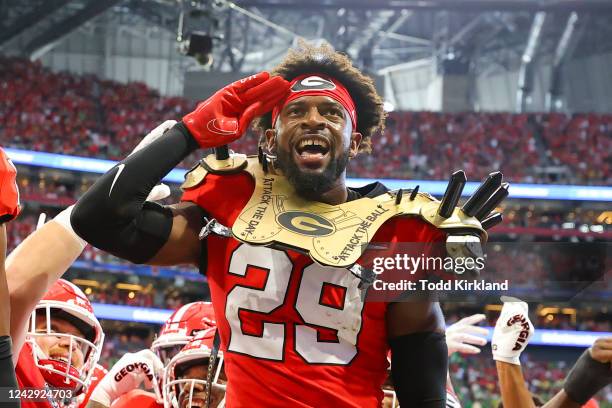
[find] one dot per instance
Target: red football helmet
(179, 389)
(66, 302)
(180, 328)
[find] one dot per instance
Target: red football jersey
(294, 333)
(29, 376)
(137, 398)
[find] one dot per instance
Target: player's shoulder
(406, 228)
(217, 179)
(211, 167)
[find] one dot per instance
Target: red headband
(318, 84)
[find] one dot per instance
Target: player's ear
(271, 140)
(355, 143)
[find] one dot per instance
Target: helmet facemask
(69, 365)
(182, 388)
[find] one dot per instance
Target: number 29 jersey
(294, 333)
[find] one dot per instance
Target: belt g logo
(306, 223)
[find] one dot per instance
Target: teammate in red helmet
(146, 367)
(54, 316)
(186, 376)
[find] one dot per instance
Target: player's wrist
(507, 359)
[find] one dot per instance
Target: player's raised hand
(9, 193)
(602, 350)
(463, 336)
(512, 331)
(226, 115)
(127, 374)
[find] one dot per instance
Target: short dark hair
(306, 59)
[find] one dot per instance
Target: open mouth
(311, 150)
(57, 357)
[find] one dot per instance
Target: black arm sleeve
(113, 214)
(419, 367)
(7, 371)
(587, 378)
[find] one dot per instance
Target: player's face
(313, 141)
(58, 347)
(198, 372)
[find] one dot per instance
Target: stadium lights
(128, 286)
(493, 308)
(86, 282)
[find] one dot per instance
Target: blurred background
(521, 86)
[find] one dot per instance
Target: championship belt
(337, 235)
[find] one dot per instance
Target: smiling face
(313, 140)
(58, 347)
(198, 399)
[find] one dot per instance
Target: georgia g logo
(305, 223)
(312, 82)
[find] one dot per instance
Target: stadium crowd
(87, 116)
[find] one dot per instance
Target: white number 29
(344, 318)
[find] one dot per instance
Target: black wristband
(586, 378)
(419, 366)
(113, 214)
(7, 371)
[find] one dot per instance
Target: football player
(284, 237)
(185, 378)
(146, 367)
(180, 328)
(63, 345)
(63, 336)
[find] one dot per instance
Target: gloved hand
(461, 335)
(127, 374)
(225, 116)
(160, 191)
(512, 331)
(9, 192)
